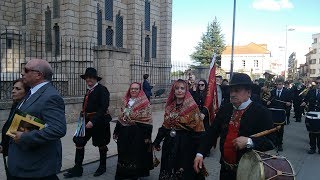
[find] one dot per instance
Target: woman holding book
(180, 132)
(19, 91)
(133, 135)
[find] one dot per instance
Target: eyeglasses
(134, 89)
(201, 84)
(26, 70)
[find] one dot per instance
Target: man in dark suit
(312, 99)
(297, 99)
(37, 154)
(95, 110)
(280, 99)
(146, 86)
(235, 123)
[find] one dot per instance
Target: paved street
(295, 149)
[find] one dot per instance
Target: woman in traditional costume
(133, 134)
(180, 132)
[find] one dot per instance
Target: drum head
(250, 167)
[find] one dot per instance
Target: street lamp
(233, 32)
(286, 49)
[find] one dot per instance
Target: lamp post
(286, 49)
(233, 31)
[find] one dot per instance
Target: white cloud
(272, 5)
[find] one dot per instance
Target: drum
(256, 165)
(313, 121)
(278, 115)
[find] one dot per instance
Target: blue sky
(258, 21)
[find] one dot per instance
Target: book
(24, 122)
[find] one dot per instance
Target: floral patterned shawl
(140, 111)
(187, 116)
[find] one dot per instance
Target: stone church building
(123, 39)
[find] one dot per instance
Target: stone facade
(79, 20)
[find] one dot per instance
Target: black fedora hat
(240, 79)
(91, 72)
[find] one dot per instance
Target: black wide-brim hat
(91, 72)
(240, 79)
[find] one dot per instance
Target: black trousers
(298, 110)
(314, 141)
(279, 135)
(226, 174)
(52, 177)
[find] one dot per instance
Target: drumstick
(266, 132)
(280, 101)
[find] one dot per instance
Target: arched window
(56, 8)
(109, 10)
(119, 30)
(147, 49)
(109, 36)
(48, 35)
(99, 25)
(154, 41)
(56, 30)
(24, 13)
(147, 15)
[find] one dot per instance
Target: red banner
(211, 102)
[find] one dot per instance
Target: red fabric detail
(229, 151)
(86, 100)
(211, 101)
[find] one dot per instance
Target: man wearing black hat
(95, 111)
(235, 123)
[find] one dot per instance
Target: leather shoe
(311, 151)
(74, 172)
(99, 171)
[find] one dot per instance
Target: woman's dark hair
(205, 86)
(145, 76)
(25, 86)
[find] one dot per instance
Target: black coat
(312, 101)
(98, 101)
(285, 96)
(255, 119)
(5, 139)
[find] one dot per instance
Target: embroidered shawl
(140, 111)
(187, 116)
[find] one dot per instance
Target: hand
(198, 163)
(288, 103)
(240, 142)
(202, 116)
(268, 103)
(17, 136)
(89, 125)
(1, 149)
(157, 148)
(115, 137)
(303, 104)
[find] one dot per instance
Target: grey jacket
(39, 153)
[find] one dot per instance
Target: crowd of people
(185, 138)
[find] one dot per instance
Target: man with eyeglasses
(312, 99)
(279, 101)
(37, 154)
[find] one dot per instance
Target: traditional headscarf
(140, 111)
(187, 116)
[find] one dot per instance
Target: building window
(312, 71)
(24, 13)
(109, 10)
(119, 30)
(256, 63)
(141, 39)
(109, 36)
(56, 8)
(315, 40)
(154, 41)
(147, 15)
(56, 39)
(243, 63)
(147, 49)
(48, 35)
(9, 43)
(99, 25)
